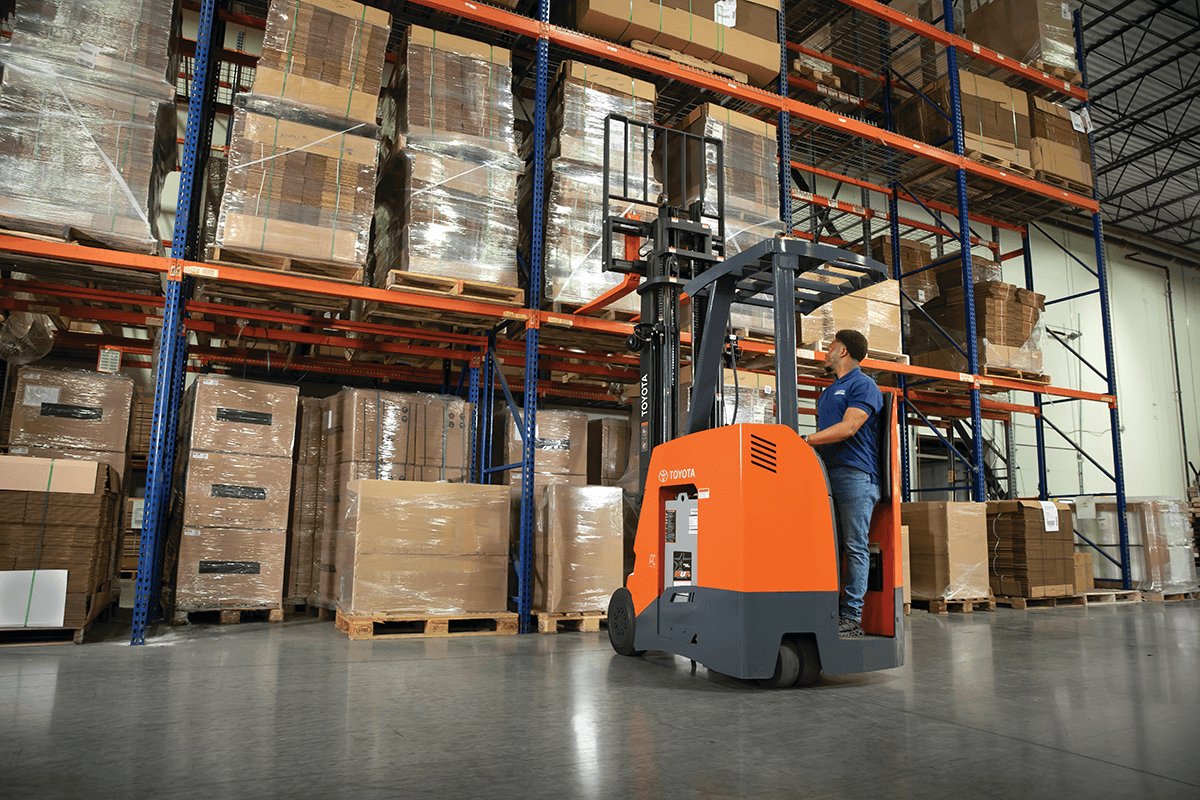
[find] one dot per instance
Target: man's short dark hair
(855, 343)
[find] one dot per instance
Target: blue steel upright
(978, 491)
(1039, 427)
(1110, 369)
(172, 346)
(528, 506)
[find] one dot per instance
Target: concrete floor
(1096, 702)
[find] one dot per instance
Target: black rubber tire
(810, 662)
(622, 622)
(787, 667)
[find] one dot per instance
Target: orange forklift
(736, 558)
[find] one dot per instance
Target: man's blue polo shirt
(854, 389)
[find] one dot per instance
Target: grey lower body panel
(738, 633)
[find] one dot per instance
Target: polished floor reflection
(1096, 702)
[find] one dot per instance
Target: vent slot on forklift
(762, 453)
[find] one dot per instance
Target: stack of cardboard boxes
(89, 122)
(449, 181)
(68, 413)
(423, 548)
(228, 532)
(302, 158)
(578, 549)
(743, 397)
(1059, 145)
(743, 36)
(1161, 547)
(948, 555)
(1007, 328)
(1038, 32)
(582, 99)
(142, 417)
(131, 536)
(308, 502)
(873, 311)
(58, 522)
(560, 449)
(608, 451)
(1030, 548)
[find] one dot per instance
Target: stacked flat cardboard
(1032, 31)
(578, 551)
(874, 312)
(742, 36)
(1031, 548)
(308, 502)
(608, 451)
(445, 200)
(140, 421)
(1084, 579)
(56, 516)
(431, 548)
(582, 99)
(66, 413)
(1059, 145)
(131, 533)
(302, 158)
(948, 275)
(228, 532)
(921, 287)
(1007, 329)
(560, 448)
(88, 133)
(948, 554)
(995, 118)
(1161, 547)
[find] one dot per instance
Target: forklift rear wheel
(787, 666)
(621, 623)
(810, 662)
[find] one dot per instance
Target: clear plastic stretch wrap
(1008, 329)
(71, 409)
(1031, 545)
(429, 548)
(82, 149)
(578, 548)
(1027, 30)
(379, 428)
(560, 444)
(229, 415)
(298, 184)
(583, 98)
(325, 54)
(235, 490)
(1161, 545)
(743, 397)
(447, 191)
(25, 337)
(225, 568)
(874, 312)
(948, 550)
(122, 39)
(66, 527)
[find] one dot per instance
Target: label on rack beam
(201, 272)
(1050, 515)
(1085, 507)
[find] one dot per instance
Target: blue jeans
(855, 494)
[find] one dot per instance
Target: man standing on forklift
(846, 440)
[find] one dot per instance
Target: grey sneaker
(849, 628)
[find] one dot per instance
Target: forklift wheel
(621, 622)
(810, 662)
(787, 666)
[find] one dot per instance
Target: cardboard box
(433, 585)
(1027, 30)
(579, 548)
(744, 397)
(71, 410)
(560, 443)
(1061, 161)
(608, 450)
(1084, 580)
(1031, 544)
(116, 460)
(236, 490)
(947, 550)
(227, 415)
(228, 568)
(921, 287)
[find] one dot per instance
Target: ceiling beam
(1157, 147)
(1147, 184)
(1143, 114)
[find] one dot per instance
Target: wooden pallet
(1169, 597)
(1071, 76)
(963, 606)
(1113, 597)
(689, 61)
(1015, 374)
(56, 232)
(608, 313)
(226, 616)
(999, 162)
(276, 263)
(419, 283)
(423, 626)
(1063, 183)
(33, 637)
(579, 621)
(1023, 603)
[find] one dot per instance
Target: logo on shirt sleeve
(839, 392)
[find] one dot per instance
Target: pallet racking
(824, 137)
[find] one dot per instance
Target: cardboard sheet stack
(873, 311)
(425, 548)
(131, 534)
(387, 436)
(1030, 548)
(308, 502)
(58, 522)
(141, 420)
(948, 550)
(1032, 31)
(302, 159)
(578, 549)
(921, 287)
(72, 413)
(1059, 145)
(449, 181)
(87, 122)
(1161, 546)
(229, 519)
(1008, 329)
(583, 97)
(560, 448)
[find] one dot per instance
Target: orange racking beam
(600, 48)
